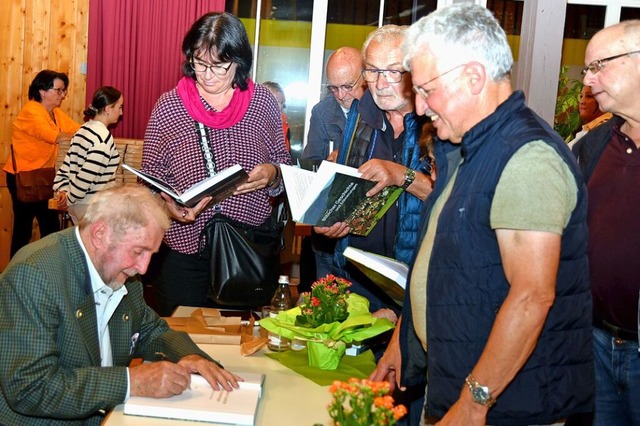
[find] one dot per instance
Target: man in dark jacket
(498, 304)
(609, 156)
(328, 118)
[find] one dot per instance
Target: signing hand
(160, 379)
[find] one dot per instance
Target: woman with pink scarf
(216, 117)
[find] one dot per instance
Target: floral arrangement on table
(329, 318)
(326, 303)
(363, 403)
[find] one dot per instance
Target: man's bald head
(344, 68)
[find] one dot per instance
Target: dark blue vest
(467, 285)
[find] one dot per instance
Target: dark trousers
(23, 215)
(178, 279)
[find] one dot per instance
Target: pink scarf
(224, 119)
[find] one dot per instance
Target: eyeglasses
(392, 76)
(217, 69)
(598, 64)
(60, 90)
(345, 87)
(420, 90)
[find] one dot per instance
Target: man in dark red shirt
(610, 160)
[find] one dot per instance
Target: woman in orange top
(37, 130)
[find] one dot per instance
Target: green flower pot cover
(325, 357)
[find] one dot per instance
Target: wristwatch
(409, 177)
(479, 393)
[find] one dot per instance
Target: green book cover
(336, 193)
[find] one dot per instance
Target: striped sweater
(90, 164)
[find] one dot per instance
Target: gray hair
(384, 34)
(126, 207)
(273, 87)
(463, 32)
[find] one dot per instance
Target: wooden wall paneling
(36, 35)
(11, 74)
(36, 40)
(12, 19)
(81, 42)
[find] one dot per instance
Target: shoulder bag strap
(13, 160)
(209, 159)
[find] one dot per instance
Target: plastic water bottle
(281, 301)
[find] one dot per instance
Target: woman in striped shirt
(92, 159)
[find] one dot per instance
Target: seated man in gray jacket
(73, 316)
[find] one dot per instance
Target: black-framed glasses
(598, 64)
(61, 91)
(392, 76)
(419, 88)
(219, 69)
(344, 87)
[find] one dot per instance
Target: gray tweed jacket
(50, 369)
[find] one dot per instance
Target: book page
(154, 181)
(298, 182)
(323, 179)
(388, 274)
(220, 186)
(329, 168)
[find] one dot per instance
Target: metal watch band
(409, 177)
(479, 393)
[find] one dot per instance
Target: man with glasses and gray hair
(381, 140)
(609, 157)
(498, 305)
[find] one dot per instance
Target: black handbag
(244, 260)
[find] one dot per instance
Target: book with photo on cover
(202, 403)
(219, 186)
(387, 273)
(336, 193)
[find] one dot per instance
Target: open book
(336, 193)
(388, 274)
(219, 186)
(202, 403)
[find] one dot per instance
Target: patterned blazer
(50, 369)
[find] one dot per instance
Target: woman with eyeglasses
(37, 130)
(92, 158)
(214, 118)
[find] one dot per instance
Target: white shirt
(107, 301)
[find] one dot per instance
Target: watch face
(480, 394)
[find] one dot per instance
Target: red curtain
(135, 46)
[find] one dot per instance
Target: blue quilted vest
(467, 285)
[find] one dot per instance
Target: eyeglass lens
(598, 64)
(217, 69)
(343, 87)
(392, 76)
